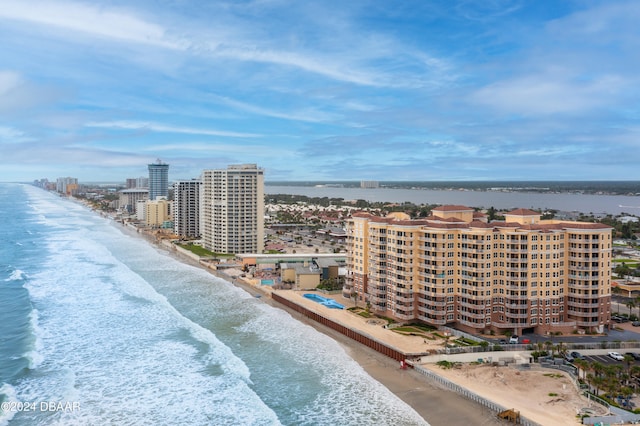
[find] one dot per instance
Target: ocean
(98, 327)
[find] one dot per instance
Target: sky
(321, 90)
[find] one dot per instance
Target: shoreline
(435, 404)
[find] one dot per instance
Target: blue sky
(321, 90)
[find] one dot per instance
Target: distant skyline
(321, 90)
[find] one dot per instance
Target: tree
(630, 304)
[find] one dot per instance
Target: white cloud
(93, 20)
(9, 134)
(548, 94)
(306, 114)
(161, 128)
(9, 80)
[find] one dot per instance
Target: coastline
(436, 405)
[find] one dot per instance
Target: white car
(616, 356)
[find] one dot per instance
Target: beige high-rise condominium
(232, 209)
(522, 274)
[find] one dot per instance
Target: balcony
(404, 299)
(588, 323)
(432, 312)
(430, 240)
(472, 315)
(432, 258)
(378, 300)
(515, 297)
(403, 315)
(433, 321)
(507, 324)
(471, 324)
(470, 306)
(516, 315)
(583, 314)
(431, 275)
(432, 302)
(588, 305)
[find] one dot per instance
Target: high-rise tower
(186, 216)
(232, 212)
(158, 180)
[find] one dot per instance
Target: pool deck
(371, 327)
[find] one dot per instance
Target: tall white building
(232, 209)
(186, 220)
(66, 185)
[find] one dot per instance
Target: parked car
(514, 340)
(577, 355)
(636, 323)
(568, 357)
(616, 356)
(502, 342)
(633, 355)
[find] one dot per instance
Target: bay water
(104, 328)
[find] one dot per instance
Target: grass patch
(203, 252)
(552, 394)
(555, 376)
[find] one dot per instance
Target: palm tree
(583, 366)
(630, 304)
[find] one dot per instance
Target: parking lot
(607, 360)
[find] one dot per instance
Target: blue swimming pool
(329, 303)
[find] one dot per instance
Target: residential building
(187, 208)
(453, 268)
(130, 197)
(67, 185)
(158, 180)
(158, 212)
(369, 184)
(140, 182)
(232, 209)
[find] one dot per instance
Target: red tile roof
(452, 208)
(523, 212)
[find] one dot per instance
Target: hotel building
(453, 268)
(186, 196)
(232, 209)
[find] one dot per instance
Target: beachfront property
(129, 199)
(454, 268)
(186, 196)
(232, 209)
(67, 185)
(158, 212)
(294, 270)
(158, 180)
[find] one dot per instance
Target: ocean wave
(17, 275)
(34, 355)
(106, 337)
(7, 394)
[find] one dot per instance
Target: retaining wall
(352, 334)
